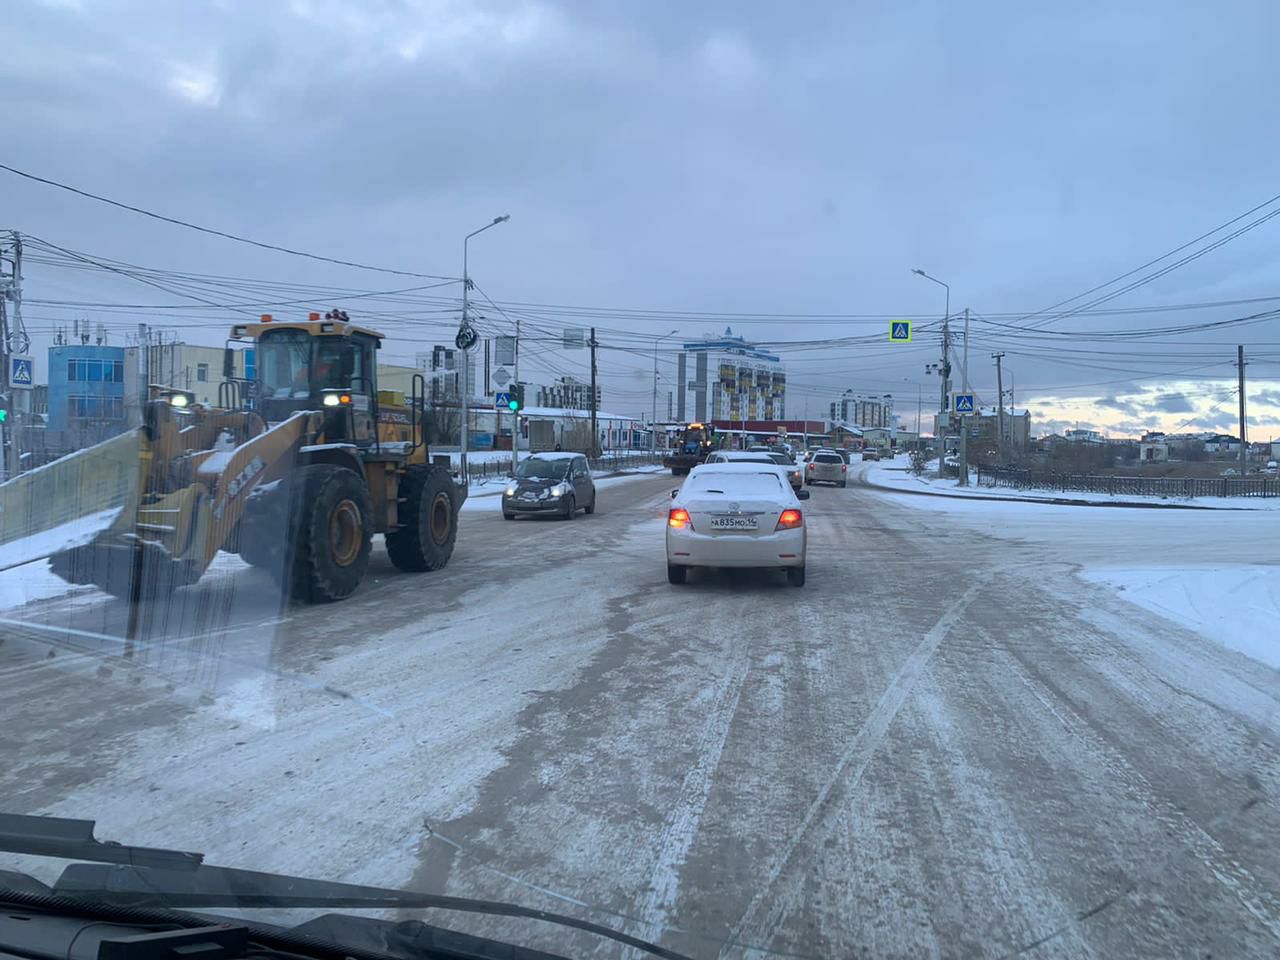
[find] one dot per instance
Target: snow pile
(32, 581)
(64, 536)
(1239, 607)
(1203, 586)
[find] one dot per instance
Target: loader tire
(428, 521)
(331, 531)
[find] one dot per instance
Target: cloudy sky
(677, 166)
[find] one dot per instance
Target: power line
(216, 233)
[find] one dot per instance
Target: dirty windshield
(401, 548)
(538, 468)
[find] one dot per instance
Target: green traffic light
(4, 415)
(513, 405)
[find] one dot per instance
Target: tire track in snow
(681, 826)
(845, 776)
(1189, 837)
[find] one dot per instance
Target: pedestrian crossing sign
(21, 372)
(963, 403)
(900, 331)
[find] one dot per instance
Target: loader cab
(317, 365)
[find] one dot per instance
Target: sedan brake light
(679, 518)
(844, 467)
(789, 520)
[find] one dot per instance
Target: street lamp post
(463, 327)
(946, 338)
(653, 422)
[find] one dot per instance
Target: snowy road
(947, 744)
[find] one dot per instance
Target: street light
(463, 327)
(653, 421)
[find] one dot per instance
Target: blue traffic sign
(501, 400)
(900, 331)
(963, 403)
(21, 372)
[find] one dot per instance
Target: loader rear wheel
(428, 521)
(332, 532)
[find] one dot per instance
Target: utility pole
(515, 419)
(1244, 442)
(595, 435)
(465, 334)
(653, 440)
(997, 357)
(13, 339)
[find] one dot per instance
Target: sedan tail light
(789, 520)
(810, 464)
(679, 518)
(844, 467)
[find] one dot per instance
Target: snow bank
(32, 581)
(1203, 586)
(1239, 607)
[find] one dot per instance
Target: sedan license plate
(733, 523)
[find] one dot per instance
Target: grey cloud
(1173, 403)
(1265, 398)
(1124, 406)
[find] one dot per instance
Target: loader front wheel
(428, 521)
(333, 530)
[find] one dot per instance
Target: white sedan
(736, 515)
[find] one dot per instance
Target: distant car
(827, 466)
(550, 484)
(870, 453)
(736, 514)
(1273, 466)
(794, 473)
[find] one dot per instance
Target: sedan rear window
(744, 484)
(828, 458)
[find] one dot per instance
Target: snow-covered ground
(1213, 571)
(898, 476)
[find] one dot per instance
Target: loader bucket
(69, 502)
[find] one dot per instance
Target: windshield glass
(283, 358)
(469, 570)
(538, 468)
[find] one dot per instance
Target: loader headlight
(331, 400)
(178, 400)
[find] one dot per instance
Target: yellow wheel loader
(296, 469)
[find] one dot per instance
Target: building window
(95, 408)
(202, 372)
(95, 371)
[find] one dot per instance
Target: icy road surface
(947, 744)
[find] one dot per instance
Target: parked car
(550, 484)
(795, 475)
(827, 466)
(736, 514)
(871, 453)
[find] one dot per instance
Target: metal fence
(1167, 487)
(480, 470)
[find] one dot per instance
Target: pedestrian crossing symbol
(21, 372)
(963, 403)
(900, 331)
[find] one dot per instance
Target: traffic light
(516, 402)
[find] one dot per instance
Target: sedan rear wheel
(795, 576)
(676, 573)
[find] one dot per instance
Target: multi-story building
(568, 393)
(87, 394)
(443, 370)
(731, 379)
(863, 410)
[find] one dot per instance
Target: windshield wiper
(121, 878)
(68, 839)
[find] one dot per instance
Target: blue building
(86, 394)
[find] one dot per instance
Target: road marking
(682, 821)
(853, 764)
